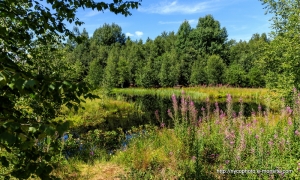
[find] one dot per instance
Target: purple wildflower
(199, 121)
(227, 162)
(194, 158)
(170, 113)
(217, 105)
(297, 133)
(183, 106)
(290, 121)
(259, 108)
(162, 125)
(234, 114)
(92, 153)
(270, 143)
(229, 98)
(175, 104)
(289, 110)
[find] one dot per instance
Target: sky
(241, 18)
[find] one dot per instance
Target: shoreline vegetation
(214, 93)
(201, 142)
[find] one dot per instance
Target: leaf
(19, 83)
(52, 86)
(32, 129)
(29, 83)
(49, 131)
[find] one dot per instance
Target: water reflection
(150, 103)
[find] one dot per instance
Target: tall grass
(258, 95)
(97, 111)
(162, 92)
(206, 145)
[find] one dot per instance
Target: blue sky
(241, 18)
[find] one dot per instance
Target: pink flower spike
(229, 98)
(194, 158)
(290, 121)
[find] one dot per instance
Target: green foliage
(215, 69)
(236, 75)
(169, 71)
(209, 38)
(199, 72)
(110, 73)
(108, 35)
(256, 77)
(31, 93)
(197, 149)
(280, 57)
(184, 51)
(95, 74)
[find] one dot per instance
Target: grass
(96, 112)
(198, 148)
(162, 92)
(257, 95)
(200, 145)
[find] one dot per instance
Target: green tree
(199, 72)
(256, 77)
(110, 78)
(95, 74)
(169, 71)
(235, 75)
(145, 75)
(209, 38)
(185, 52)
(108, 35)
(215, 69)
(123, 70)
(23, 23)
(281, 60)
(134, 55)
(81, 54)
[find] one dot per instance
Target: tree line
(192, 56)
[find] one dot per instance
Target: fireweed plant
(228, 140)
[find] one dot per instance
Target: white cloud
(129, 34)
(168, 7)
(191, 21)
(139, 33)
(92, 13)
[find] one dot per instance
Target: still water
(149, 104)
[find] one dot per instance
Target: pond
(147, 109)
(152, 105)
